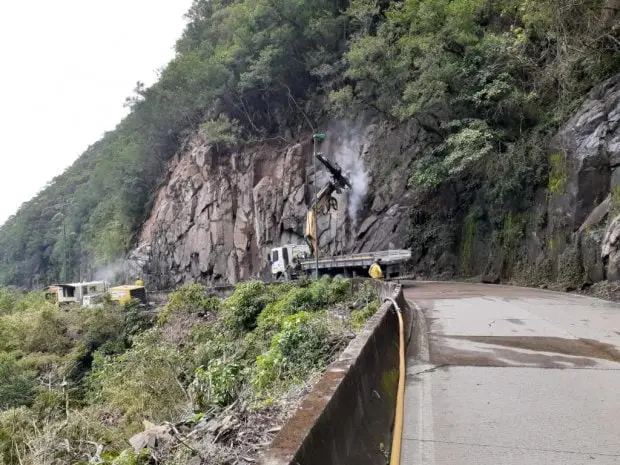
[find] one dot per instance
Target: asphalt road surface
(503, 375)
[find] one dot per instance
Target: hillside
(463, 100)
(202, 380)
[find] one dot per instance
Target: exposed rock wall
(585, 155)
(218, 215)
(571, 234)
(584, 189)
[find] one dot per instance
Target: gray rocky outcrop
(566, 236)
(585, 183)
(585, 156)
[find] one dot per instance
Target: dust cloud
(117, 272)
(348, 151)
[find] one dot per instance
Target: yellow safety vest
(375, 271)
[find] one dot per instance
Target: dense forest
(491, 78)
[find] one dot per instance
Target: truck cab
(283, 259)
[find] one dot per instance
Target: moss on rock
(558, 178)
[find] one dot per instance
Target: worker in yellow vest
(375, 270)
(139, 282)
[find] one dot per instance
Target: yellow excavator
(324, 201)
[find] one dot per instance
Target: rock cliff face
(585, 156)
(572, 236)
(585, 183)
(218, 215)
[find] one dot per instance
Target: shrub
(191, 298)
(49, 333)
(48, 405)
(359, 317)
(16, 425)
(136, 320)
(245, 304)
(129, 457)
(301, 346)
(221, 131)
(7, 301)
(212, 342)
(216, 385)
(339, 290)
(328, 291)
(294, 301)
(310, 298)
(14, 332)
(13, 301)
(17, 384)
(102, 329)
(146, 382)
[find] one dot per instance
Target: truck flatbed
(387, 257)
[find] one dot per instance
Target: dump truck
(292, 260)
(92, 294)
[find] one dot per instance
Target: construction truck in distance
(290, 261)
(92, 294)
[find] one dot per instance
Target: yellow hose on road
(400, 396)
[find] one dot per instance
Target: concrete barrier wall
(348, 416)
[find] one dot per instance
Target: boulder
(591, 243)
(153, 437)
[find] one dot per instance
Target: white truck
(83, 293)
(289, 261)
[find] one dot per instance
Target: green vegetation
(359, 317)
(190, 298)
(511, 237)
(72, 379)
(299, 348)
(559, 174)
(489, 72)
(488, 78)
(490, 81)
(615, 200)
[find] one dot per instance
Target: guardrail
(347, 417)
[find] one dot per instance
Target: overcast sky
(67, 66)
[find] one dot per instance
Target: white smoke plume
(348, 151)
(118, 272)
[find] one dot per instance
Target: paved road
(512, 376)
